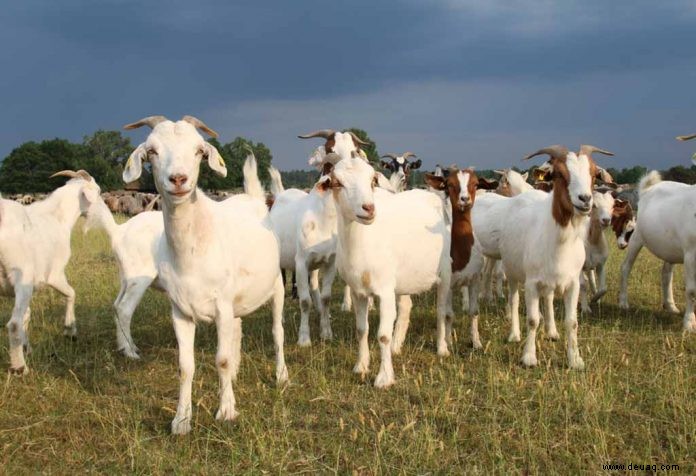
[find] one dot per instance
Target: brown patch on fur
(384, 339)
(462, 228)
(365, 279)
(544, 186)
(270, 200)
(223, 364)
(12, 327)
(622, 214)
(594, 235)
(562, 207)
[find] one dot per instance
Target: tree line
(103, 154)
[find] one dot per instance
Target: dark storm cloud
(485, 77)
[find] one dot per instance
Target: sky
(471, 82)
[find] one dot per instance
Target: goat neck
(186, 227)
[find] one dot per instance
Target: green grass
(84, 406)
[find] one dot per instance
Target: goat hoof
(577, 363)
(671, 308)
(23, 370)
(623, 305)
(384, 380)
(600, 294)
(27, 349)
(361, 369)
(282, 376)
(587, 310)
(181, 426)
(396, 349)
(476, 345)
(514, 338)
(529, 360)
(304, 341)
(443, 352)
(129, 353)
(553, 336)
(328, 335)
(227, 414)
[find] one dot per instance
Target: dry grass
(85, 407)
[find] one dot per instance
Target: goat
(400, 167)
(215, 265)
(375, 255)
(135, 244)
(467, 261)
(306, 227)
(540, 239)
(596, 247)
(664, 227)
(34, 250)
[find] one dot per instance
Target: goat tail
(652, 178)
(276, 181)
(252, 184)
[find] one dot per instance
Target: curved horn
(589, 149)
(150, 121)
(689, 137)
(198, 124)
(409, 154)
(323, 133)
(84, 174)
(554, 151)
(500, 172)
(358, 139)
(391, 156)
(66, 173)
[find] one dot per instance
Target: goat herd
(220, 261)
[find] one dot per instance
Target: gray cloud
(461, 80)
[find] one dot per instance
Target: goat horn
(358, 139)
(554, 151)
(324, 133)
(391, 156)
(499, 172)
(409, 154)
(589, 149)
(198, 124)
(150, 121)
(84, 174)
(689, 137)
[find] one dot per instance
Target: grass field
(85, 407)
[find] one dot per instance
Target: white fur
(596, 254)
(666, 226)
(216, 266)
(538, 252)
(375, 256)
(34, 250)
(306, 228)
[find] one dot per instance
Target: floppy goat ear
(435, 181)
(215, 160)
(604, 176)
(386, 164)
(525, 176)
(134, 164)
(487, 184)
(415, 164)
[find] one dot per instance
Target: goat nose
(584, 197)
(178, 179)
(606, 221)
(369, 208)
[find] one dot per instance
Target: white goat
(665, 227)
(305, 224)
(216, 266)
(135, 244)
(597, 248)
(540, 238)
(375, 255)
(34, 250)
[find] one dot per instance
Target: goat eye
(336, 184)
(151, 151)
(375, 182)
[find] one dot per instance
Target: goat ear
(215, 160)
(525, 176)
(604, 176)
(619, 203)
(324, 183)
(416, 164)
(434, 181)
(134, 164)
(386, 164)
(90, 194)
(487, 184)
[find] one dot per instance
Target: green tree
(234, 154)
(370, 150)
(29, 166)
(681, 174)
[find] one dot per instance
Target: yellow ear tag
(363, 154)
(129, 162)
(222, 162)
